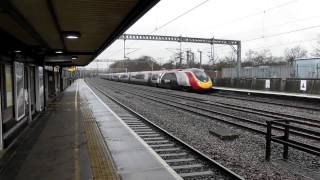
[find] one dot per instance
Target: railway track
(266, 113)
(245, 123)
(188, 162)
(261, 112)
(314, 108)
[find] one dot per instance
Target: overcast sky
(259, 24)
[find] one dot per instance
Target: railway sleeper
(157, 142)
(187, 166)
(196, 174)
(142, 128)
(171, 154)
(145, 132)
(156, 146)
(153, 138)
(149, 135)
(168, 150)
(188, 169)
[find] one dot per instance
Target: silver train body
(193, 79)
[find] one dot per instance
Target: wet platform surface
(80, 137)
(132, 157)
(54, 147)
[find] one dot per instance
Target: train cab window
(201, 75)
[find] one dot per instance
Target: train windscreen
(201, 75)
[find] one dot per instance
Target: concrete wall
(292, 85)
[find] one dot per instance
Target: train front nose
(205, 85)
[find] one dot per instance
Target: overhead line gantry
(181, 39)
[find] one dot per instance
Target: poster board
(19, 96)
(9, 86)
(39, 88)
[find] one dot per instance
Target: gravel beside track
(269, 100)
(244, 155)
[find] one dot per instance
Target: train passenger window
(169, 77)
(154, 77)
(140, 76)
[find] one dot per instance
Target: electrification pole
(180, 54)
(124, 48)
(212, 50)
(200, 53)
(188, 58)
(238, 59)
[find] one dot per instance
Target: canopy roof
(39, 28)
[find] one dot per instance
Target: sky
(259, 24)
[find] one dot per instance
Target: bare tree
(257, 58)
(316, 51)
(296, 52)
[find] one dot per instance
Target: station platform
(274, 93)
(80, 137)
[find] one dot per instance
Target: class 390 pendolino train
(184, 79)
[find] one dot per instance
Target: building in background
(307, 67)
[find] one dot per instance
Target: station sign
(267, 85)
(303, 85)
(72, 69)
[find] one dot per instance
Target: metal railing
(286, 141)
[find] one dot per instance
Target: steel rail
(212, 162)
(165, 101)
(268, 102)
(267, 113)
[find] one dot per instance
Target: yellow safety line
(76, 138)
(101, 162)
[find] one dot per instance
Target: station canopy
(65, 32)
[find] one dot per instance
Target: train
(192, 79)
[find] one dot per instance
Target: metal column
(238, 59)
(1, 133)
(200, 66)
(180, 53)
(29, 94)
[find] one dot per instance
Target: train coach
(181, 79)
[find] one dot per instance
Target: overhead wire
(241, 18)
(287, 43)
(256, 13)
(277, 25)
(283, 33)
(170, 21)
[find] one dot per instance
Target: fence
(286, 141)
(280, 71)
